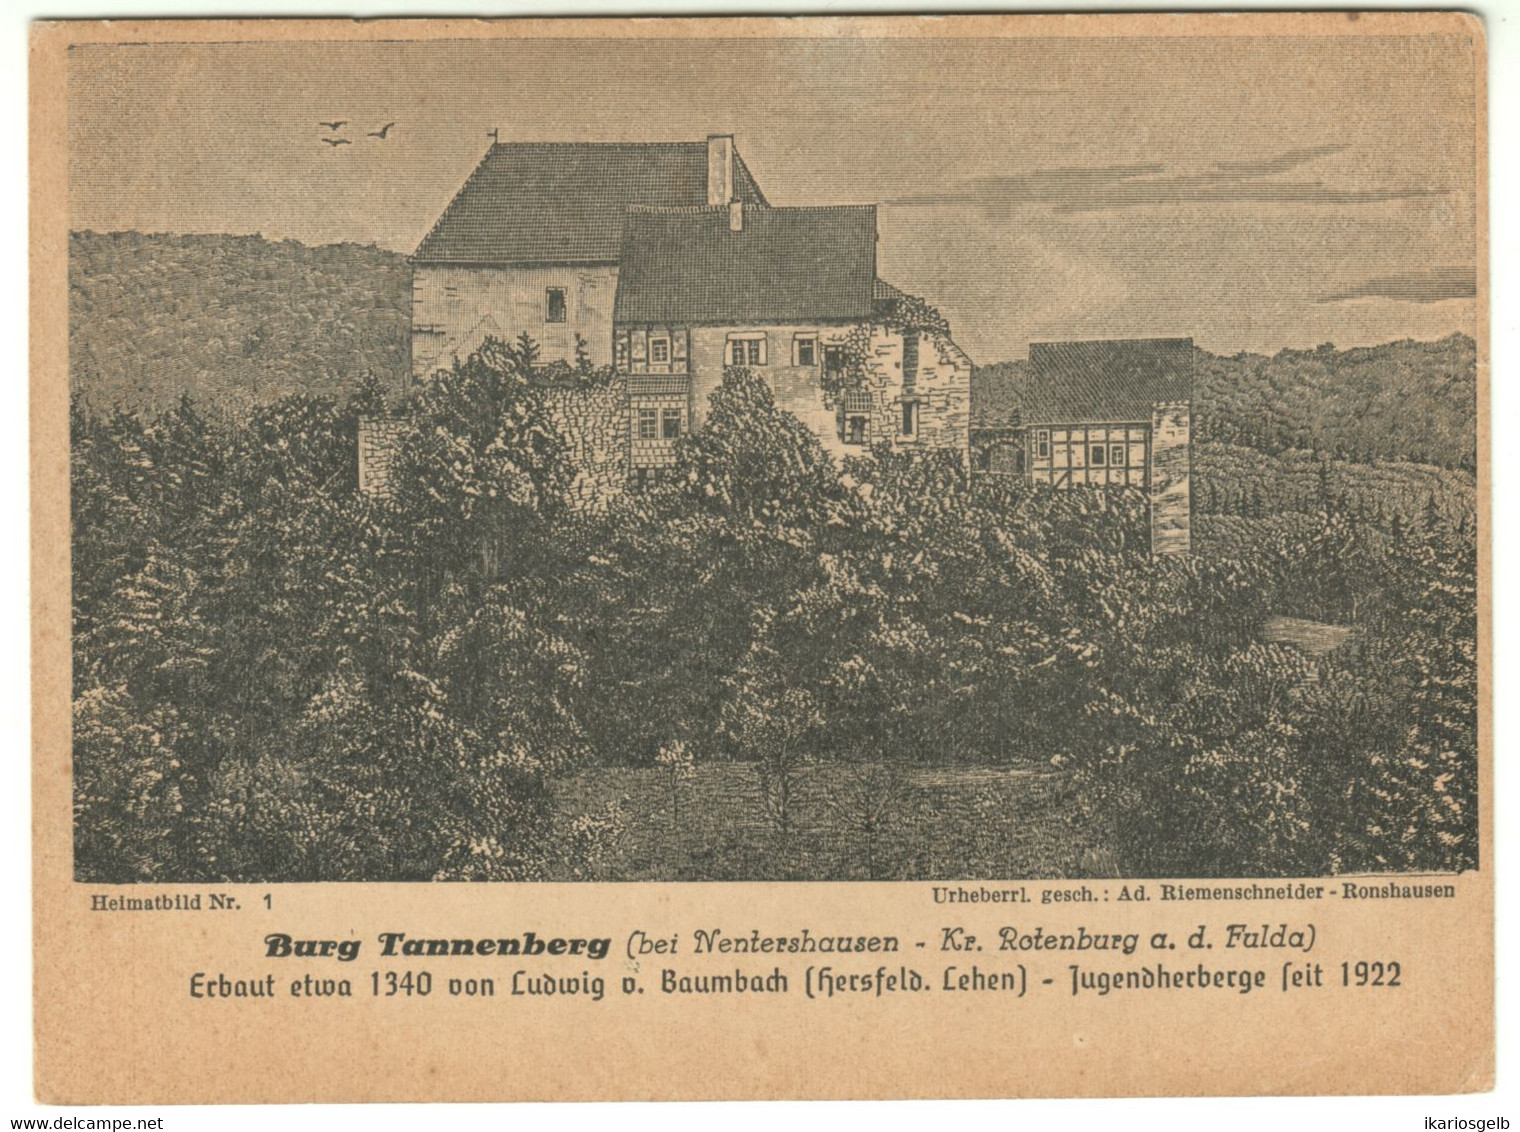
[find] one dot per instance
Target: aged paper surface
(906, 558)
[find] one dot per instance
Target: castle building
(791, 294)
(531, 243)
(667, 262)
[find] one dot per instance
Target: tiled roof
(563, 202)
(657, 384)
(1107, 381)
(786, 264)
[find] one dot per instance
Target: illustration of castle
(667, 262)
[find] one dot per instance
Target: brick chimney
(720, 169)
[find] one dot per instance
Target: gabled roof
(1119, 380)
(786, 264)
(563, 202)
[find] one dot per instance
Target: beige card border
(113, 1025)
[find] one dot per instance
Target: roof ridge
(692, 209)
(1109, 341)
(562, 200)
(625, 144)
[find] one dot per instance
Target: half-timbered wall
(1082, 455)
(651, 349)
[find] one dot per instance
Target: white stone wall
(795, 388)
(454, 309)
(594, 422)
(943, 384)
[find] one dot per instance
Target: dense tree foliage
(277, 678)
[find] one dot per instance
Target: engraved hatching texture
(564, 202)
(594, 424)
(456, 307)
(795, 658)
(784, 264)
(1171, 479)
(1109, 381)
(380, 440)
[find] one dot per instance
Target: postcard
(736, 558)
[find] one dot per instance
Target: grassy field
(962, 823)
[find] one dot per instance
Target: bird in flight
(382, 131)
(337, 141)
(338, 125)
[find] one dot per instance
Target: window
(648, 420)
(806, 350)
(855, 430)
(910, 418)
(834, 359)
(659, 349)
(1042, 443)
(1099, 456)
(670, 424)
(910, 358)
(1116, 455)
(555, 298)
(746, 351)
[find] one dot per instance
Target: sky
(1251, 193)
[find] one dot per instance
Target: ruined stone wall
(380, 440)
(940, 383)
(1171, 479)
(594, 422)
(943, 387)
